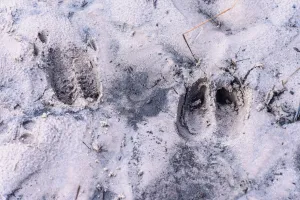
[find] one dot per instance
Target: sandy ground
(101, 99)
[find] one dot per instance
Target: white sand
(94, 106)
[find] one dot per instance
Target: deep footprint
(224, 97)
(192, 108)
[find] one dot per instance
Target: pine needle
(201, 24)
(295, 72)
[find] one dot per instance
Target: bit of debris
(91, 44)
(77, 193)
(140, 173)
(98, 148)
(98, 187)
(86, 145)
(105, 169)
(154, 3)
(286, 80)
(257, 65)
(44, 115)
(104, 124)
(296, 49)
(84, 4)
(269, 99)
(269, 96)
(112, 174)
(272, 94)
(201, 24)
(297, 115)
(121, 196)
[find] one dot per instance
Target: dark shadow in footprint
(223, 97)
(42, 37)
(227, 108)
(61, 76)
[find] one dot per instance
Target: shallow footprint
(86, 78)
(61, 75)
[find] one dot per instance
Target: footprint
(195, 113)
(86, 78)
(220, 103)
(62, 76)
(192, 108)
(226, 106)
(229, 107)
(72, 75)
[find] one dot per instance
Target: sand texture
(102, 100)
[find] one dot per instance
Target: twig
(285, 82)
(189, 48)
(155, 3)
(86, 145)
(297, 113)
(201, 24)
(296, 49)
(77, 194)
(242, 60)
(40, 97)
(84, 3)
(248, 73)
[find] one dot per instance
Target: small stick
(201, 24)
(189, 47)
(297, 113)
(86, 145)
(77, 194)
(285, 82)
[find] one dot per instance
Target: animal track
(86, 78)
(202, 102)
(228, 102)
(71, 75)
(196, 105)
(61, 76)
(197, 95)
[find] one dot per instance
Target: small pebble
(96, 147)
(112, 174)
(104, 124)
(140, 173)
(260, 107)
(121, 196)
